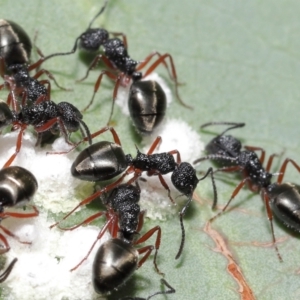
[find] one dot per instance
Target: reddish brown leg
(47, 73)
(93, 135)
(18, 146)
(164, 184)
(124, 38)
(162, 60)
(98, 83)
(84, 222)
(88, 200)
(110, 223)
(270, 161)
(47, 97)
(9, 233)
(263, 152)
(148, 249)
(270, 217)
(21, 215)
(5, 242)
(141, 221)
(94, 64)
(283, 168)
(235, 192)
(154, 145)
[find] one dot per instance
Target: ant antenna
(182, 213)
(5, 274)
(235, 125)
(98, 14)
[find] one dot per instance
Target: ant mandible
(282, 199)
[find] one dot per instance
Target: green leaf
(239, 62)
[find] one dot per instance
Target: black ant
(122, 68)
(15, 51)
(105, 160)
(44, 116)
(17, 185)
(117, 259)
(282, 199)
(8, 270)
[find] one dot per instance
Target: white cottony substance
(57, 191)
(42, 270)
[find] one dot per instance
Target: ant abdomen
(115, 261)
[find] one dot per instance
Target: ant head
(184, 178)
(93, 39)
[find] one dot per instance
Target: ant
(122, 68)
(15, 51)
(44, 116)
(8, 270)
(17, 185)
(281, 199)
(117, 259)
(105, 160)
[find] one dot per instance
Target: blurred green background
(240, 62)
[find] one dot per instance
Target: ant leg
(93, 135)
(124, 38)
(235, 192)
(97, 85)
(94, 64)
(20, 215)
(8, 270)
(173, 75)
(84, 222)
(154, 145)
(47, 96)
(9, 233)
(263, 152)
(178, 157)
(112, 219)
(5, 242)
(283, 168)
(50, 76)
(89, 199)
(148, 249)
(270, 217)
(270, 161)
(164, 184)
(18, 147)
